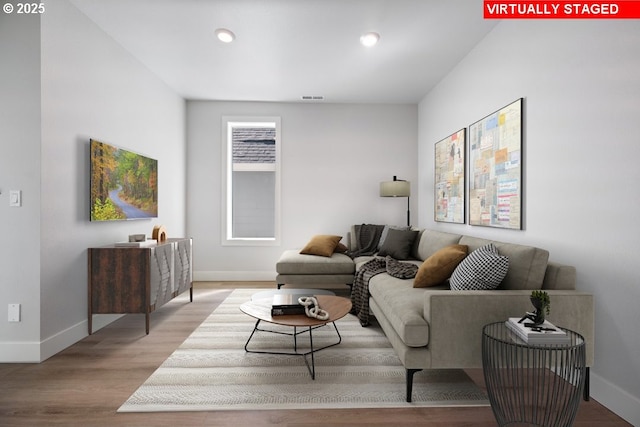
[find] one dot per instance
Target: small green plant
(544, 300)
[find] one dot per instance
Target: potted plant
(542, 304)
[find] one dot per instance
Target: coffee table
(260, 309)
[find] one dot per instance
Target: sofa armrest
(456, 319)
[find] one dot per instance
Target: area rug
(211, 371)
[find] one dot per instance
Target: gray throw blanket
(360, 287)
(367, 238)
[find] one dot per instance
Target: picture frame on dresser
(495, 168)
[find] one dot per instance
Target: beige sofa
(437, 328)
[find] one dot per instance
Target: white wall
(91, 88)
(581, 84)
(20, 170)
(333, 159)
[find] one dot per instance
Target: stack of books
(284, 304)
(143, 244)
(547, 333)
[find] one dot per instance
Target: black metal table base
(311, 367)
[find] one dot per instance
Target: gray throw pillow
(398, 244)
(386, 229)
(482, 269)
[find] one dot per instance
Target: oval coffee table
(260, 309)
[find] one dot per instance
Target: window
(251, 181)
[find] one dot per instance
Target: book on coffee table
(547, 333)
(286, 304)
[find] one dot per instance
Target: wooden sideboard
(138, 280)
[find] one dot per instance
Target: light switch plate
(15, 198)
(14, 312)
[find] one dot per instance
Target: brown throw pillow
(341, 248)
(322, 245)
(439, 266)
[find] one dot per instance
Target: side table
(531, 383)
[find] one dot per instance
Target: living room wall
(20, 170)
(334, 157)
(581, 83)
(88, 86)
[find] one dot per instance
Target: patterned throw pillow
(482, 269)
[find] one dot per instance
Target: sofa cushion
(293, 262)
(527, 264)
(432, 241)
(439, 266)
(322, 245)
(398, 244)
(403, 306)
(483, 269)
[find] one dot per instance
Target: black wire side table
(532, 384)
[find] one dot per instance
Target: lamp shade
(395, 189)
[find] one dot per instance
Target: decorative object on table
(284, 304)
(449, 178)
(159, 233)
(495, 161)
(137, 237)
(542, 304)
(312, 308)
(545, 333)
(397, 188)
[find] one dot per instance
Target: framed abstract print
(495, 169)
(450, 178)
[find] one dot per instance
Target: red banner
(500, 9)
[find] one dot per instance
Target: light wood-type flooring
(85, 384)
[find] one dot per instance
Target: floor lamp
(397, 188)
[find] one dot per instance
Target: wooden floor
(85, 384)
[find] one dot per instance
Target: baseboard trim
(234, 276)
(36, 352)
(615, 399)
(20, 352)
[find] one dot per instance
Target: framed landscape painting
(449, 178)
(495, 166)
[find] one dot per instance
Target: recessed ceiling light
(225, 35)
(369, 39)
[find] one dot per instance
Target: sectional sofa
(434, 326)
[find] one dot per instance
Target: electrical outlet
(14, 312)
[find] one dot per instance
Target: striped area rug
(211, 371)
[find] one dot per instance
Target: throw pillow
(341, 248)
(483, 269)
(322, 245)
(385, 231)
(398, 243)
(401, 270)
(439, 266)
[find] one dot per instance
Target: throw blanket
(367, 238)
(360, 287)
